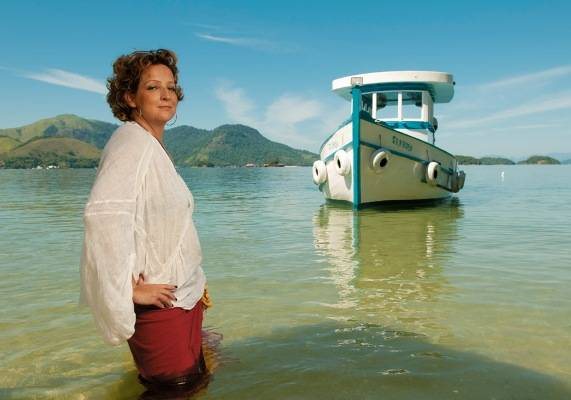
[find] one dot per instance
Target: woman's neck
(157, 130)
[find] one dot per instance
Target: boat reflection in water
(387, 265)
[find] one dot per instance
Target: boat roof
(439, 84)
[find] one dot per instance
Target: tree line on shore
(69, 141)
(533, 160)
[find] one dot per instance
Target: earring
(173, 122)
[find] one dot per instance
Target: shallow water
(464, 299)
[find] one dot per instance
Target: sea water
(465, 299)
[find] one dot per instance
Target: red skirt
(167, 342)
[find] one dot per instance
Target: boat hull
(405, 175)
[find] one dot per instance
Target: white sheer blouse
(138, 219)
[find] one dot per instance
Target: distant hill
(67, 125)
(58, 151)
(543, 160)
(496, 161)
(227, 145)
(469, 160)
(230, 145)
(560, 156)
(7, 143)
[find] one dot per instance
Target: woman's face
(156, 95)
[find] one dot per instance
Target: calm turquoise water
(469, 299)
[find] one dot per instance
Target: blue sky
(269, 64)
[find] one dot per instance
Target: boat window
(387, 105)
(366, 103)
(411, 105)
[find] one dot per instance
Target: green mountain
(544, 160)
(496, 161)
(230, 145)
(7, 143)
(227, 145)
(563, 157)
(469, 160)
(58, 151)
(68, 125)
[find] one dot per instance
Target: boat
(385, 151)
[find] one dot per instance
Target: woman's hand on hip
(152, 294)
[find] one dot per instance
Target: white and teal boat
(386, 152)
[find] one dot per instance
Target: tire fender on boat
(342, 162)
(380, 160)
(319, 172)
(432, 171)
(458, 181)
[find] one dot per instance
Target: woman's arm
(109, 249)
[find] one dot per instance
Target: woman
(141, 261)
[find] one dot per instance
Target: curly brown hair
(127, 71)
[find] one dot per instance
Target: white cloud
(521, 107)
(228, 40)
(236, 103)
(526, 127)
(68, 79)
(552, 103)
(291, 118)
(248, 42)
(522, 80)
(291, 109)
(209, 27)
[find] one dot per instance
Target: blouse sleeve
(108, 254)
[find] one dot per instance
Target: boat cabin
(401, 100)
